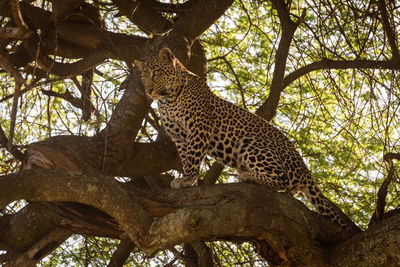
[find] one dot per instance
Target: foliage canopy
(85, 161)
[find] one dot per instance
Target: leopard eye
(155, 73)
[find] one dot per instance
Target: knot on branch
(193, 223)
(391, 156)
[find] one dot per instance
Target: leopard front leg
(198, 129)
(181, 146)
(190, 160)
(190, 125)
(178, 134)
(193, 149)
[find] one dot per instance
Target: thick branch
(40, 185)
(13, 33)
(40, 249)
(255, 217)
(81, 153)
(295, 234)
(63, 69)
(121, 254)
(126, 120)
(89, 37)
(144, 16)
(377, 246)
(200, 17)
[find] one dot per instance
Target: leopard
(201, 123)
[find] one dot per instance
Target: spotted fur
(201, 123)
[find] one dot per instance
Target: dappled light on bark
(86, 165)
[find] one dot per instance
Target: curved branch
(276, 221)
(378, 214)
(75, 44)
(259, 214)
(390, 33)
(144, 16)
(40, 248)
(326, 64)
(16, 12)
(268, 109)
(40, 185)
(63, 69)
(200, 17)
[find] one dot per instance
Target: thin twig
(382, 192)
(14, 150)
(237, 81)
(268, 109)
(17, 94)
(19, 81)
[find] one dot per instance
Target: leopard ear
(139, 64)
(166, 56)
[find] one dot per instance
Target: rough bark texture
(68, 180)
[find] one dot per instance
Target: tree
(86, 164)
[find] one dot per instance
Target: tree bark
(68, 181)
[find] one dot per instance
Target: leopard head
(161, 75)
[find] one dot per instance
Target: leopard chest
(187, 114)
(172, 119)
